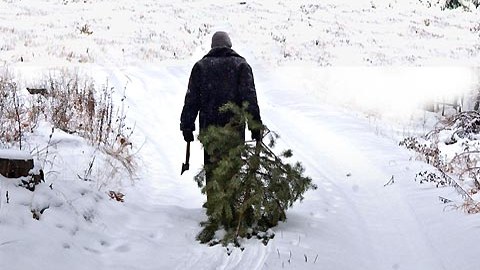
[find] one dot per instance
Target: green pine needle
(250, 188)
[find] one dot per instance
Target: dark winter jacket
(220, 77)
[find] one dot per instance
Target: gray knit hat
(221, 39)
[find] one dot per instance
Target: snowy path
(382, 229)
(351, 222)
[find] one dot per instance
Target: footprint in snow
(104, 243)
(123, 248)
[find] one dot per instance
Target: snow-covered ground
(329, 32)
(330, 118)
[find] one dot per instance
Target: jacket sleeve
(248, 92)
(192, 101)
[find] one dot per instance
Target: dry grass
(471, 207)
(73, 103)
(13, 118)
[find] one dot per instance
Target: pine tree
(249, 187)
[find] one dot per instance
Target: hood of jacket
(222, 52)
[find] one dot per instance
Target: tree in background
(467, 4)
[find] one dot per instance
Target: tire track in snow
(325, 169)
(155, 96)
(160, 92)
(161, 228)
(384, 217)
(355, 217)
(153, 99)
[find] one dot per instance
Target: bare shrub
(428, 151)
(120, 159)
(85, 29)
(115, 195)
(453, 148)
(13, 116)
(77, 106)
(67, 99)
(71, 102)
(471, 207)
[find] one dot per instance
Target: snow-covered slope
(353, 221)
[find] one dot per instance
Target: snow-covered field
(331, 117)
(330, 32)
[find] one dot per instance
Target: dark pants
(208, 165)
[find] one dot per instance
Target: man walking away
(220, 77)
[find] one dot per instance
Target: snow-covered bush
(70, 102)
(13, 114)
(453, 148)
(75, 132)
(73, 103)
(77, 106)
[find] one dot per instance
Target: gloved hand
(257, 135)
(188, 135)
